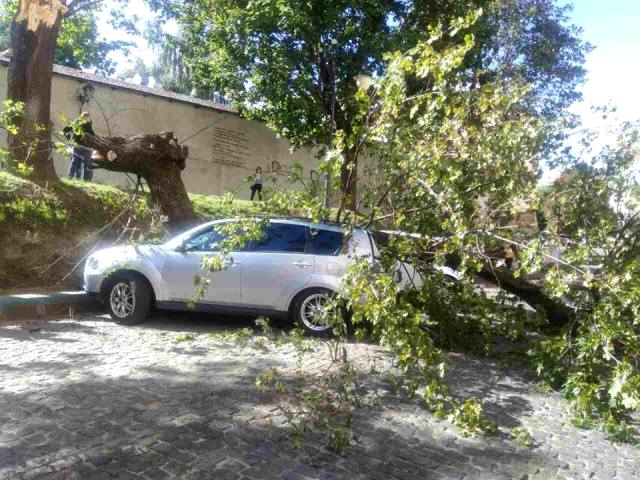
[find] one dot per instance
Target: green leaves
(468, 416)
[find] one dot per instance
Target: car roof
(400, 233)
(325, 225)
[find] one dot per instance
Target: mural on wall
(230, 147)
(274, 168)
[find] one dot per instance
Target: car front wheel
(128, 299)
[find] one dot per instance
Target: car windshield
(177, 241)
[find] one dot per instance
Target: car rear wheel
(128, 299)
(310, 313)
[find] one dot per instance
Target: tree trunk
(158, 159)
(349, 179)
(34, 33)
(557, 312)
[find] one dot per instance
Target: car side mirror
(184, 247)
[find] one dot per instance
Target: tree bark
(349, 179)
(158, 159)
(34, 33)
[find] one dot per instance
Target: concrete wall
(226, 150)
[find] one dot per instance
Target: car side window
(207, 241)
(281, 237)
(325, 242)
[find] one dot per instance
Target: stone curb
(30, 305)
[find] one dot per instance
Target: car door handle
(302, 264)
(233, 261)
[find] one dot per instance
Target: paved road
(85, 399)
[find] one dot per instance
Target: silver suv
(291, 271)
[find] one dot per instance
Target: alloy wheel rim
(122, 300)
(313, 313)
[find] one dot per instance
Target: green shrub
(210, 207)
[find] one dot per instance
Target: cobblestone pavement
(85, 399)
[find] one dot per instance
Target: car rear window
(281, 237)
(381, 240)
(325, 242)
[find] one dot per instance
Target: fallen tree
(156, 158)
(457, 165)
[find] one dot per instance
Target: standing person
(80, 156)
(75, 165)
(509, 257)
(256, 186)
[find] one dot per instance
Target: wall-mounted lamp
(85, 94)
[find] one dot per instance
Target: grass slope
(81, 203)
(40, 225)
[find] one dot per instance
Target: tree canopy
(280, 61)
(169, 69)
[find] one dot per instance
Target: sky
(613, 67)
(141, 49)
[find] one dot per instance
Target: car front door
(183, 264)
(275, 266)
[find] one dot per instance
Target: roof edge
(140, 89)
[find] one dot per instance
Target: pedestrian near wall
(256, 185)
(81, 165)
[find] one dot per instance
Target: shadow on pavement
(161, 420)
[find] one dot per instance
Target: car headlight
(92, 262)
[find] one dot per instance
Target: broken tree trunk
(34, 33)
(558, 313)
(157, 158)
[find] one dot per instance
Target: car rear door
(275, 266)
(331, 255)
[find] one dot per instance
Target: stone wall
(224, 148)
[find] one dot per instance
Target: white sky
(141, 49)
(612, 27)
(613, 67)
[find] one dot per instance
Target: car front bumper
(92, 282)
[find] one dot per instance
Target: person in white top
(256, 186)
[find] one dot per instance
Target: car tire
(128, 298)
(302, 309)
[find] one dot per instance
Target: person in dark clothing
(256, 186)
(75, 166)
(87, 165)
(80, 165)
